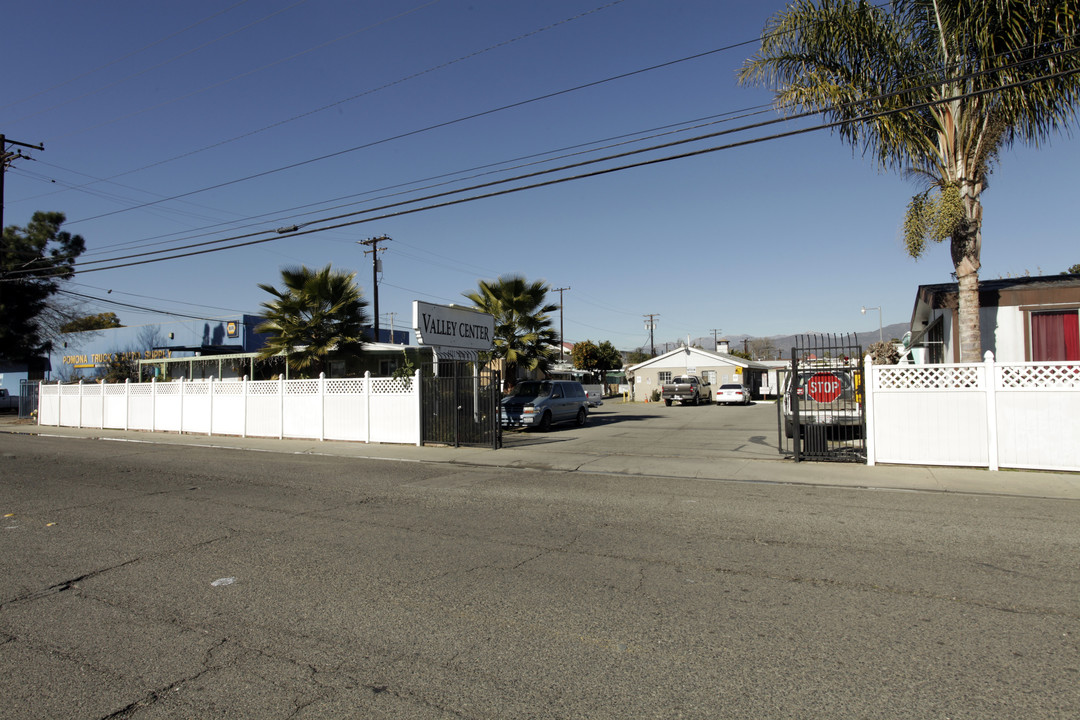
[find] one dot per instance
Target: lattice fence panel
(390, 386)
(1024, 377)
(929, 377)
(346, 386)
(301, 387)
(263, 388)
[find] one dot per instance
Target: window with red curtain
(1055, 336)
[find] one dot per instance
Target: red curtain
(1055, 336)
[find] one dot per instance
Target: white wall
(363, 409)
(990, 414)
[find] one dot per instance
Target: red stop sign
(824, 387)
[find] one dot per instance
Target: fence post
(244, 410)
(868, 403)
(991, 409)
(322, 406)
(419, 408)
(367, 406)
(79, 421)
(181, 432)
(211, 423)
(281, 407)
(153, 404)
(102, 404)
(127, 403)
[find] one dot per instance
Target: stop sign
(824, 387)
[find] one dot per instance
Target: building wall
(648, 379)
(86, 355)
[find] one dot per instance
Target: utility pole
(715, 341)
(6, 158)
(561, 342)
(392, 316)
(373, 243)
(650, 325)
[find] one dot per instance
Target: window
(1055, 336)
(664, 376)
(387, 366)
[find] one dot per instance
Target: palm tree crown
(932, 87)
(316, 313)
(523, 328)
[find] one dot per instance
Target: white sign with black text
(452, 327)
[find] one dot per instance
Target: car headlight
(528, 409)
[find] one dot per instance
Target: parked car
(8, 401)
(827, 396)
(729, 393)
(688, 390)
(542, 403)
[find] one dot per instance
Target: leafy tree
(637, 356)
(933, 88)
(316, 313)
(34, 260)
(1074, 270)
(762, 349)
(523, 328)
(100, 321)
(587, 355)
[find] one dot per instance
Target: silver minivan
(541, 403)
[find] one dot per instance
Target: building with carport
(716, 367)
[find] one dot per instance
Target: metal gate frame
(460, 405)
(810, 438)
(28, 399)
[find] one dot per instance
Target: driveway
(652, 430)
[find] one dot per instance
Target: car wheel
(787, 429)
(668, 403)
(582, 416)
(545, 422)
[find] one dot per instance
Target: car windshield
(531, 389)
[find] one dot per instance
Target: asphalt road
(158, 581)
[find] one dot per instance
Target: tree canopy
(524, 333)
(100, 321)
(317, 313)
(34, 260)
(932, 88)
(587, 355)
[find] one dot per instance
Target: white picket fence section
(367, 409)
(993, 415)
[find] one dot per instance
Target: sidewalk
(1065, 486)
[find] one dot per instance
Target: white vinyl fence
(988, 414)
(367, 409)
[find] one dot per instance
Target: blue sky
(167, 124)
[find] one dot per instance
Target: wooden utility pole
(715, 341)
(373, 243)
(561, 341)
(6, 158)
(650, 325)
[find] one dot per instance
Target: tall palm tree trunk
(966, 247)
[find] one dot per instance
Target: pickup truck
(688, 390)
(8, 401)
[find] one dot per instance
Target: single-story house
(1021, 319)
(717, 367)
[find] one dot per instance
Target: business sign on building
(460, 330)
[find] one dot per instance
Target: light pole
(880, 334)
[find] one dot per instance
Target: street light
(881, 336)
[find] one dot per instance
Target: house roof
(992, 293)
(696, 356)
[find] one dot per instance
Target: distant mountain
(786, 342)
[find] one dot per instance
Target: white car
(733, 393)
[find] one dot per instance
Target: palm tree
(523, 329)
(936, 88)
(318, 312)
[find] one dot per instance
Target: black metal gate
(460, 405)
(28, 399)
(820, 413)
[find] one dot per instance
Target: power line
(418, 131)
(284, 232)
